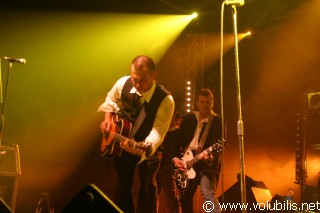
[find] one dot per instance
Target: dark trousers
(186, 199)
(147, 199)
(166, 182)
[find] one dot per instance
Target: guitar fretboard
(122, 138)
(191, 162)
(132, 144)
(212, 148)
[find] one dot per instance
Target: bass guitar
(112, 143)
(182, 178)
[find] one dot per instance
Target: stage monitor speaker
(311, 194)
(10, 171)
(256, 194)
(4, 208)
(91, 200)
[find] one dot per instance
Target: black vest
(131, 111)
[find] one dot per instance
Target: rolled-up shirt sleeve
(113, 100)
(161, 123)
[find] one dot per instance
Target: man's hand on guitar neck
(205, 155)
(136, 148)
(179, 164)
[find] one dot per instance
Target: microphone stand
(3, 99)
(240, 122)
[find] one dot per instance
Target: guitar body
(182, 178)
(113, 143)
(188, 155)
(110, 146)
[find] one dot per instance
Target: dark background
(75, 50)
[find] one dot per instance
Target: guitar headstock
(216, 147)
(146, 147)
(143, 147)
(137, 148)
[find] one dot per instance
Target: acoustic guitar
(112, 143)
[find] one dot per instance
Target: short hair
(206, 92)
(176, 115)
(176, 119)
(142, 61)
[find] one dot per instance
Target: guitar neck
(122, 138)
(191, 162)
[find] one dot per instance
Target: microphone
(18, 60)
(235, 2)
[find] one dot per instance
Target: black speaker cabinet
(256, 194)
(311, 194)
(10, 171)
(91, 200)
(4, 208)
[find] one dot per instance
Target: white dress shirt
(195, 141)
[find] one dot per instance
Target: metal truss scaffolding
(195, 63)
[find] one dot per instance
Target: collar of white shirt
(146, 96)
(196, 113)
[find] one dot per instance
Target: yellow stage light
(194, 15)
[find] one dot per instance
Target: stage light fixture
(194, 15)
(188, 99)
(314, 103)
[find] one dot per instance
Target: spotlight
(314, 102)
(188, 96)
(249, 33)
(194, 15)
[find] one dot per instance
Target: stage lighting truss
(300, 156)
(189, 95)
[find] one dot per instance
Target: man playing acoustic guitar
(199, 134)
(138, 100)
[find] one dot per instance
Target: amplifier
(10, 171)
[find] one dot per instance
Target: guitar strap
(142, 115)
(205, 133)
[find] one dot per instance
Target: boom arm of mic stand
(240, 122)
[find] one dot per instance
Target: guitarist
(208, 168)
(150, 115)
